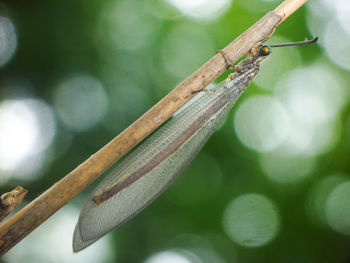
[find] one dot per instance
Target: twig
(31, 216)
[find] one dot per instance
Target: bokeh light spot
(81, 102)
(161, 9)
(258, 6)
(8, 40)
(57, 233)
(173, 256)
(313, 98)
(18, 132)
(251, 220)
(332, 10)
(200, 246)
(27, 128)
(330, 20)
(201, 9)
(337, 208)
(312, 93)
(342, 8)
(318, 195)
(261, 123)
(286, 169)
(337, 43)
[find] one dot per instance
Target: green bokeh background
(59, 39)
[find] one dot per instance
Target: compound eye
(264, 50)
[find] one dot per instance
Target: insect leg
(227, 59)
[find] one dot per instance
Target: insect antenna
(301, 43)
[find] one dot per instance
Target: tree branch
(31, 216)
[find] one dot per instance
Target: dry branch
(31, 216)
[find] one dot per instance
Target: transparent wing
(170, 149)
(78, 242)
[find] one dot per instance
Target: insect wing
(78, 242)
(175, 144)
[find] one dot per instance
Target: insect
(150, 169)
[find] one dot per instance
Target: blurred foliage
(138, 51)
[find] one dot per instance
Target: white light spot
(201, 9)
(55, 243)
(343, 14)
(8, 40)
(81, 102)
(286, 169)
(337, 208)
(313, 97)
(318, 195)
(46, 123)
(18, 133)
(312, 94)
(261, 123)
(258, 6)
(27, 128)
(199, 246)
(176, 256)
(340, 10)
(162, 9)
(321, 8)
(251, 220)
(337, 42)
(310, 139)
(330, 20)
